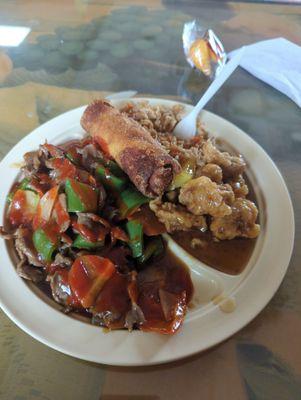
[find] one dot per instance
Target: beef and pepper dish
(87, 216)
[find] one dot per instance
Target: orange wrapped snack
(203, 50)
(145, 161)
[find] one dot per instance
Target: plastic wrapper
(203, 49)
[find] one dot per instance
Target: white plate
(206, 324)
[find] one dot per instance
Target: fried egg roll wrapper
(145, 161)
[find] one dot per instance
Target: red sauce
(51, 230)
(114, 296)
(167, 275)
(65, 167)
(17, 212)
(96, 234)
(87, 194)
(88, 275)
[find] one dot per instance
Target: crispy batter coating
(241, 222)
(146, 162)
(203, 196)
(231, 165)
(212, 171)
(176, 217)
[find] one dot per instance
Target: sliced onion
(45, 207)
(61, 214)
(169, 303)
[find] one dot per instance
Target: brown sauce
(167, 272)
(228, 256)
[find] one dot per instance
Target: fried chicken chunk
(231, 165)
(202, 196)
(212, 171)
(176, 217)
(239, 186)
(241, 222)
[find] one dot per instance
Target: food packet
(203, 49)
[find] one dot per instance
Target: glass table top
(74, 51)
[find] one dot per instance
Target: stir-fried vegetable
(92, 232)
(23, 185)
(184, 176)
(60, 213)
(79, 220)
(23, 207)
(88, 275)
(73, 155)
(81, 243)
(112, 303)
(80, 197)
(118, 234)
(115, 169)
(135, 232)
(151, 225)
(153, 248)
(63, 169)
(130, 200)
(45, 243)
(110, 180)
(112, 166)
(45, 207)
(174, 310)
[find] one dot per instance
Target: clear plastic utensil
(186, 128)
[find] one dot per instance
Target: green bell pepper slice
(82, 243)
(135, 232)
(153, 248)
(129, 200)
(9, 197)
(80, 197)
(23, 185)
(185, 175)
(73, 156)
(110, 180)
(43, 244)
(115, 169)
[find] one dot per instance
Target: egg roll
(144, 160)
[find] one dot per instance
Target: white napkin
(276, 62)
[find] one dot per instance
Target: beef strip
(60, 290)
(26, 254)
(32, 162)
(51, 151)
(25, 248)
(30, 273)
(105, 318)
(6, 235)
(134, 316)
(62, 261)
(90, 154)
